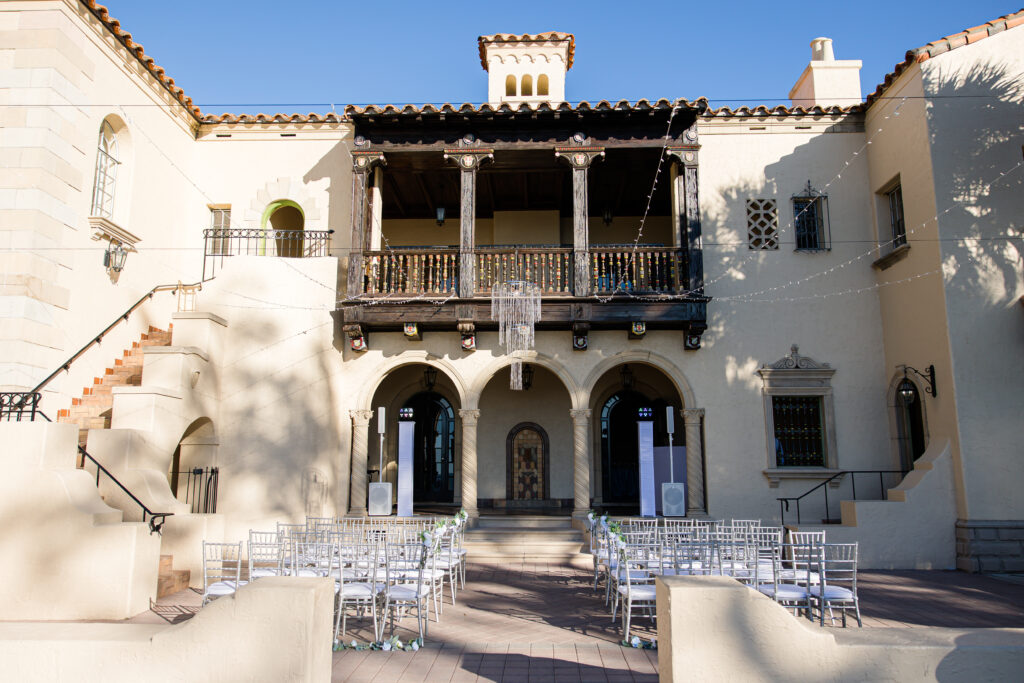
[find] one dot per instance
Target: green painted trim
(268, 212)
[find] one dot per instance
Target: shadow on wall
(976, 134)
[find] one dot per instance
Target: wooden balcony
(626, 285)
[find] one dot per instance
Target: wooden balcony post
(688, 206)
(469, 161)
(580, 159)
(362, 163)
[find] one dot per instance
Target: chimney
(526, 68)
(827, 81)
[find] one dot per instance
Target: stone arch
(196, 449)
(291, 190)
(364, 400)
(576, 395)
(666, 366)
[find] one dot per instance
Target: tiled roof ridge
(937, 47)
(700, 104)
(527, 37)
(125, 38)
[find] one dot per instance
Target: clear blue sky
(264, 55)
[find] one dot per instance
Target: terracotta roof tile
(550, 36)
(125, 38)
(937, 47)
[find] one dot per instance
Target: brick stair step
(174, 581)
(166, 564)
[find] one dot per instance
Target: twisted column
(692, 420)
(469, 420)
(360, 450)
(581, 461)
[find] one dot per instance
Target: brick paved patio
(539, 622)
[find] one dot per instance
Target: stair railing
(824, 486)
(155, 519)
(99, 337)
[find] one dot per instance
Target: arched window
(510, 86)
(107, 161)
(527, 89)
(542, 84)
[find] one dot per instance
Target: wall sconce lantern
(906, 389)
(440, 215)
(628, 380)
(430, 378)
(114, 258)
(527, 376)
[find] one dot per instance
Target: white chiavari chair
(222, 570)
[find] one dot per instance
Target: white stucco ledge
(776, 474)
(146, 391)
(199, 315)
(896, 255)
(277, 629)
(172, 350)
(712, 628)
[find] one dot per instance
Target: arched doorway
(617, 398)
(433, 448)
(285, 218)
(910, 438)
(527, 474)
(193, 474)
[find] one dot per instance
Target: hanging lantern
(516, 307)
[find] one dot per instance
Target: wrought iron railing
(644, 269)
(411, 271)
(201, 485)
(18, 406)
(99, 337)
(220, 243)
(549, 268)
(828, 483)
(156, 519)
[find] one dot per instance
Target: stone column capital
(469, 417)
(361, 418)
(692, 415)
(580, 415)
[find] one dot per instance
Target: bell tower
(528, 68)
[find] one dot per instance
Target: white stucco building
(792, 261)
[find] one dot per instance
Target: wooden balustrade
(657, 270)
(401, 271)
(645, 269)
(550, 268)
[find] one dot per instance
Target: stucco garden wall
(276, 630)
(715, 629)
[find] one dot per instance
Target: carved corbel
(580, 336)
(467, 329)
(364, 159)
(356, 337)
(579, 157)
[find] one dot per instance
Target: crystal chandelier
(516, 306)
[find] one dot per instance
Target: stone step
(515, 535)
(172, 582)
(523, 522)
(546, 552)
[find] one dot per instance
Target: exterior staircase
(170, 580)
(92, 410)
(524, 538)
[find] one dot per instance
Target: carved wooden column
(362, 162)
(360, 450)
(580, 159)
(689, 208)
(469, 420)
(581, 461)
(692, 421)
(469, 161)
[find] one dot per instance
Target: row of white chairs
(805, 573)
(385, 569)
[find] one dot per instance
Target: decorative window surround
(796, 375)
(106, 230)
